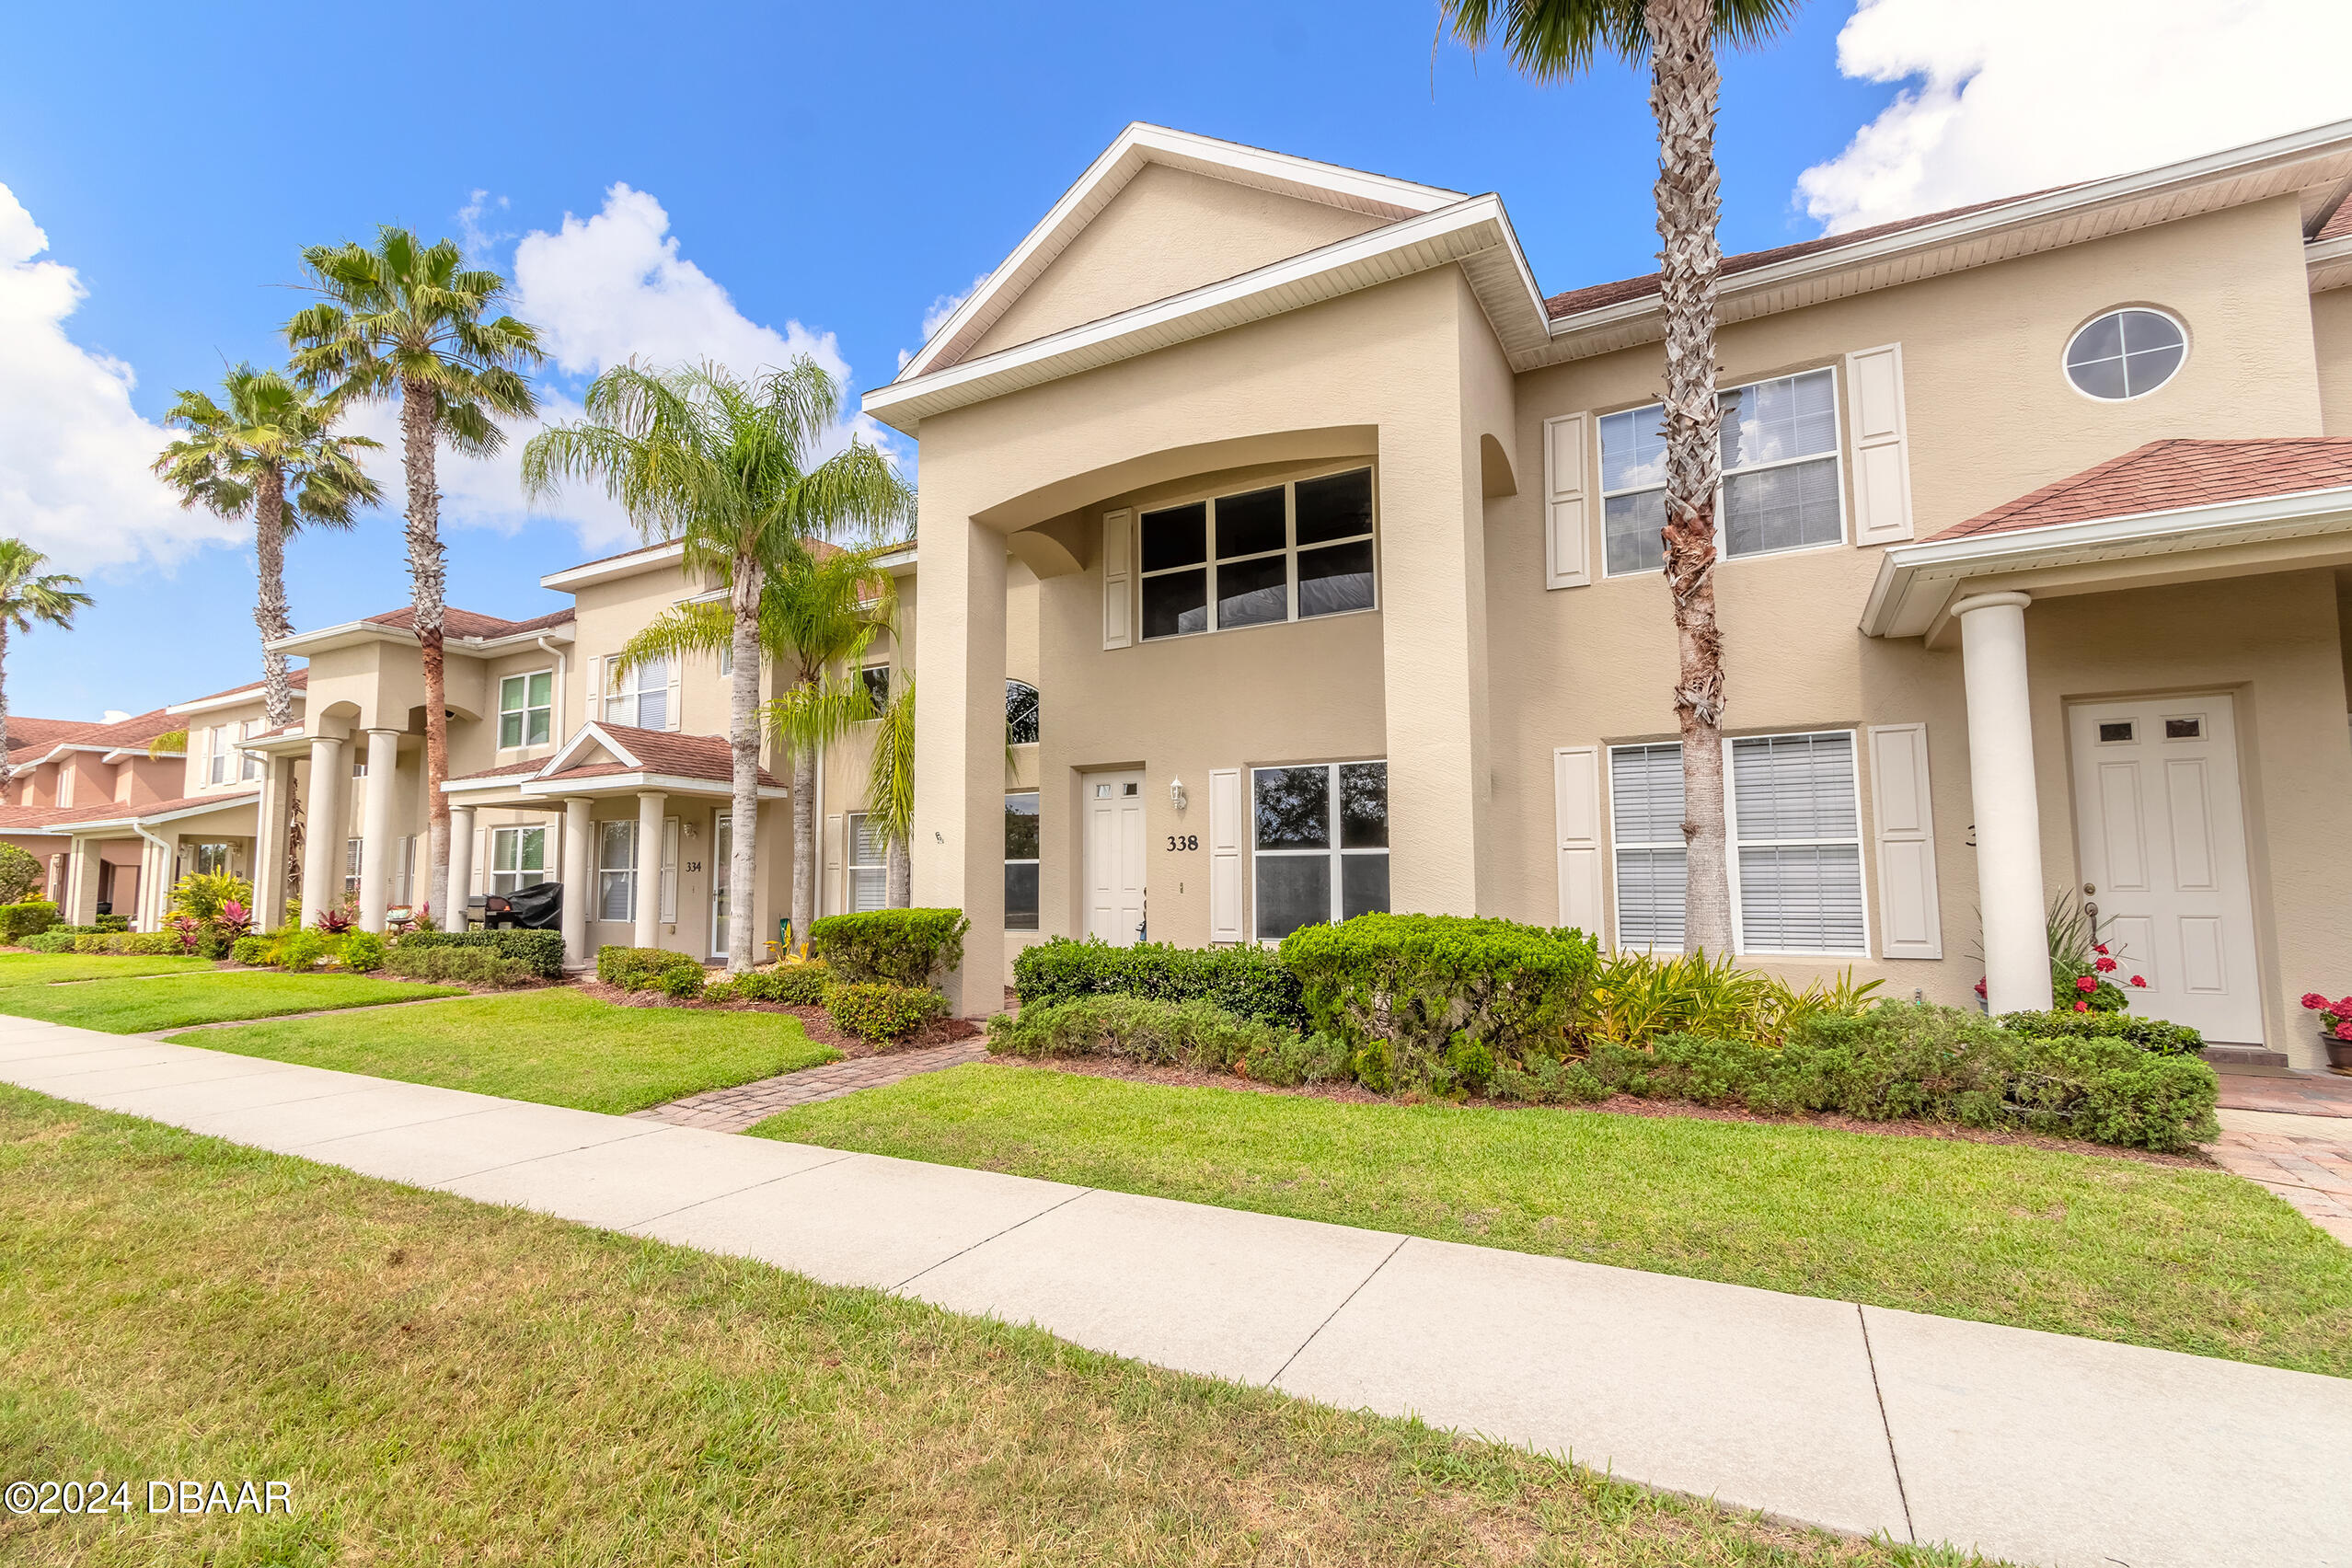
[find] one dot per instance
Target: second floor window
(1020, 713)
(216, 755)
(639, 695)
(877, 680)
(526, 709)
(1287, 552)
(1780, 488)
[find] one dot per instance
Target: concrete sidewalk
(2039, 1448)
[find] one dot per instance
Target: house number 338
(1183, 841)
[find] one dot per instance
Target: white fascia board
(1142, 144)
(2026, 212)
(560, 632)
(227, 700)
(624, 783)
(2327, 263)
(203, 808)
(344, 636)
(1896, 609)
(1466, 228)
(589, 732)
(124, 753)
(497, 781)
(630, 565)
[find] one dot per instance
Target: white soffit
(1374, 194)
(2328, 263)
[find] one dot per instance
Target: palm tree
(412, 320)
(890, 791)
(729, 466)
(270, 451)
(30, 596)
(1549, 40)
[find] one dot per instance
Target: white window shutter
(1566, 537)
(1225, 818)
(1576, 812)
(594, 670)
(670, 705)
(669, 905)
(1118, 579)
(836, 891)
(1908, 915)
(1882, 459)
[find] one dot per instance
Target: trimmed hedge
(1250, 982)
(1196, 1034)
(793, 984)
(634, 968)
(683, 985)
(362, 951)
(876, 1009)
(49, 941)
(2150, 1034)
(30, 918)
(147, 944)
(460, 965)
(542, 950)
(902, 947)
(1440, 1001)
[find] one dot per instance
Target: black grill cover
(539, 908)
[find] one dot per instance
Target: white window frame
(606, 836)
(1330, 852)
(866, 674)
(635, 693)
(1835, 454)
(525, 710)
(216, 755)
(248, 766)
(1289, 552)
(2066, 353)
(516, 834)
(1011, 860)
(223, 856)
(878, 867)
(1616, 845)
(354, 852)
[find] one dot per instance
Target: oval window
(2126, 354)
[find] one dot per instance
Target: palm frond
(809, 714)
(705, 627)
(890, 770)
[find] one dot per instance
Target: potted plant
(2335, 1028)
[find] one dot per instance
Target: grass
(2114, 1248)
(179, 1001)
(441, 1381)
(47, 968)
(555, 1046)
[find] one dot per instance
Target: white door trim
(1112, 809)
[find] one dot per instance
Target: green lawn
(45, 968)
(136, 1007)
(2114, 1249)
(555, 1046)
(440, 1381)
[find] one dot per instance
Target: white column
(323, 829)
(269, 822)
(82, 882)
(649, 806)
(376, 828)
(579, 884)
(461, 869)
(2009, 818)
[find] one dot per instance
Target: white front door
(722, 854)
(1115, 856)
(2163, 838)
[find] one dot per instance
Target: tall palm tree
(411, 320)
(890, 791)
(30, 596)
(1551, 40)
(729, 466)
(269, 450)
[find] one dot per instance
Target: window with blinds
(1646, 816)
(1794, 822)
(868, 866)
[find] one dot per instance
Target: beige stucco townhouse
(1336, 542)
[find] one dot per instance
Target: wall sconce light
(1176, 793)
(691, 832)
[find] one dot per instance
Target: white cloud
(73, 454)
(600, 290)
(2010, 96)
(943, 307)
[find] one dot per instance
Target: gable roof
(24, 731)
(665, 753)
(2170, 476)
(466, 624)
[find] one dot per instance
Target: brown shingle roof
(456, 622)
(295, 680)
(2339, 222)
(17, 819)
(136, 730)
(2165, 476)
(25, 730)
(662, 751)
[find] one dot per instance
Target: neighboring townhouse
(2036, 518)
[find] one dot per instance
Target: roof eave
(651, 557)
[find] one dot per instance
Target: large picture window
(1319, 836)
(1283, 553)
(616, 870)
(518, 858)
(526, 709)
(640, 696)
(1780, 485)
(1793, 818)
(869, 867)
(1020, 861)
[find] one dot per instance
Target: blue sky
(825, 173)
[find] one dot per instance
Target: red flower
(2099, 947)
(2082, 1006)
(2104, 965)
(2084, 983)
(2314, 1001)
(1981, 988)
(2138, 982)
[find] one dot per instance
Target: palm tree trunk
(1682, 99)
(270, 605)
(804, 772)
(901, 874)
(420, 405)
(743, 743)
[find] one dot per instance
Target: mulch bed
(1616, 1105)
(815, 1022)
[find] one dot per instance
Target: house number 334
(1183, 841)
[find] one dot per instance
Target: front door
(1115, 856)
(722, 855)
(2163, 832)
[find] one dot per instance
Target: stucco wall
(2332, 332)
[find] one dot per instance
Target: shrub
(20, 872)
(143, 944)
(300, 948)
(542, 950)
(460, 965)
(49, 941)
(683, 984)
(254, 949)
(904, 947)
(206, 895)
(362, 951)
(1194, 1033)
(634, 968)
(877, 1009)
(18, 921)
(793, 984)
(1438, 1002)
(2150, 1034)
(111, 922)
(1250, 982)
(717, 991)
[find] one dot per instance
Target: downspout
(163, 870)
(563, 674)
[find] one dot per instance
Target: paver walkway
(2305, 1159)
(2287, 1091)
(2035, 1448)
(733, 1110)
